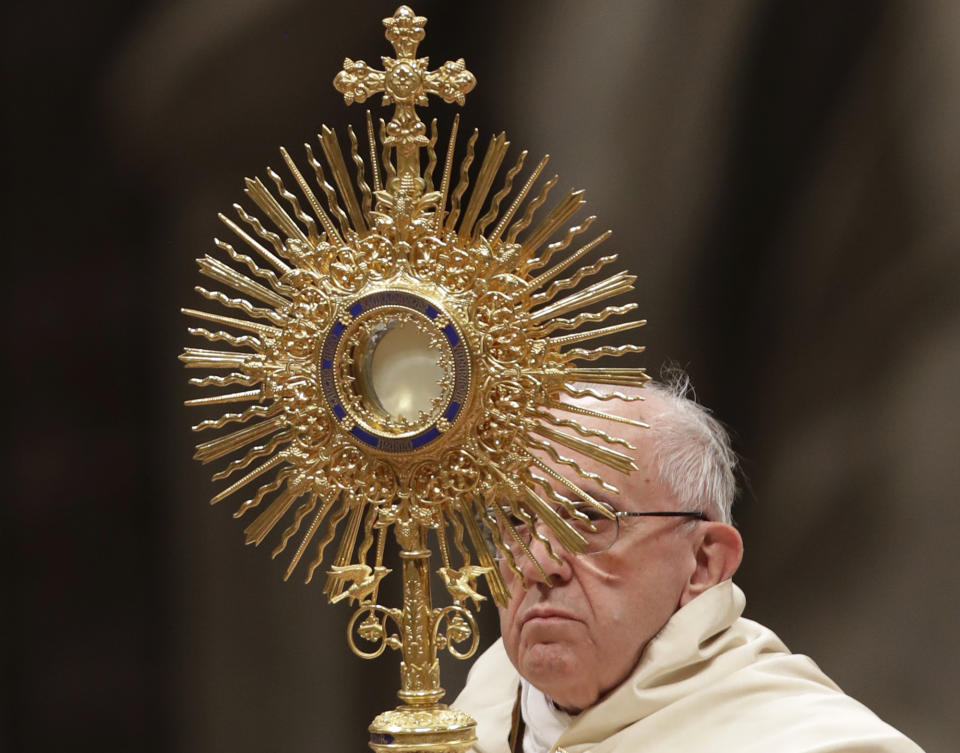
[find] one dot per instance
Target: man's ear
(718, 550)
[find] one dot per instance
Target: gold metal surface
(396, 368)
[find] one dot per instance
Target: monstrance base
(435, 728)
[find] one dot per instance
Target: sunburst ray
(334, 156)
(462, 182)
(254, 411)
(495, 582)
(230, 397)
(538, 282)
(366, 200)
(559, 459)
(594, 293)
(582, 430)
(603, 351)
(339, 514)
(591, 334)
(227, 380)
(589, 392)
(518, 200)
(524, 222)
(238, 341)
(262, 491)
(256, 269)
(623, 377)
(501, 523)
(230, 321)
(217, 270)
(372, 144)
(257, 531)
(582, 318)
(218, 448)
(304, 509)
(327, 502)
(568, 283)
(560, 245)
(199, 358)
(313, 237)
(602, 415)
(262, 197)
(258, 451)
(251, 476)
(577, 490)
(333, 235)
(242, 304)
(268, 235)
(318, 210)
(447, 169)
(389, 168)
(554, 220)
(496, 151)
(484, 222)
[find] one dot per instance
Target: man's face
(584, 636)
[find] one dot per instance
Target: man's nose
(553, 569)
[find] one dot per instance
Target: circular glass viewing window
(400, 371)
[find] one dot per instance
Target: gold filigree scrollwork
(373, 629)
(453, 625)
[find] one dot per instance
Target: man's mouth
(545, 613)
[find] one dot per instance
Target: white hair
(692, 449)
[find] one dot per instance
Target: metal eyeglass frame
(696, 515)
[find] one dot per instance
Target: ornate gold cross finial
(405, 82)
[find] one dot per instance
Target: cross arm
(451, 81)
(357, 81)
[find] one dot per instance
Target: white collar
(544, 721)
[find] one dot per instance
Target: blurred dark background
(784, 177)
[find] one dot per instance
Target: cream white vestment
(709, 681)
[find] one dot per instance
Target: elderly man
(639, 645)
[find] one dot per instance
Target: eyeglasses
(598, 531)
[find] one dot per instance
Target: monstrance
(411, 354)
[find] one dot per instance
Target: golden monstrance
(409, 346)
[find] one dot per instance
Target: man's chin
(553, 668)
